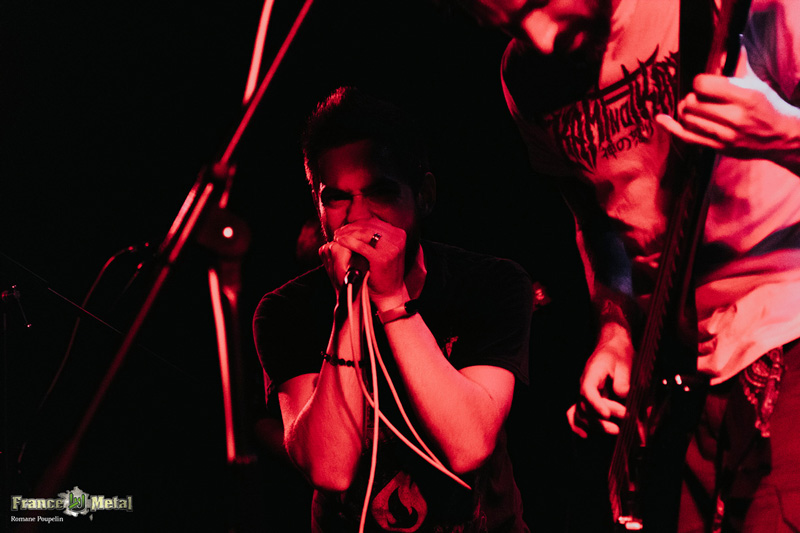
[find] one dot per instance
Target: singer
(451, 326)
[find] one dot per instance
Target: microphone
(356, 269)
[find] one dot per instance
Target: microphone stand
(204, 218)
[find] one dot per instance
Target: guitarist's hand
(741, 117)
(610, 362)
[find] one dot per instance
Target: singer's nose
(359, 209)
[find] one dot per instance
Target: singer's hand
(336, 260)
(386, 259)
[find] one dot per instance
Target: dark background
(108, 112)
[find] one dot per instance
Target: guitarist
(592, 85)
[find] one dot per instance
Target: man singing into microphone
(452, 327)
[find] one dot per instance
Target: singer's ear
(426, 197)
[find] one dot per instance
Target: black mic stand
(202, 217)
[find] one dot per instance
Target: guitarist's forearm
(613, 307)
(608, 273)
(788, 153)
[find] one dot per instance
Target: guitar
(667, 395)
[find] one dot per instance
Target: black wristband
(337, 361)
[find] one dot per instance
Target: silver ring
(374, 240)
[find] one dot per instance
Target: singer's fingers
(386, 260)
(361, 239)
(324, 252)
(335, 259)
(365, 230)
(358, 244)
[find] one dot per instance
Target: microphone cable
(71, 342)
(356, 346)
(374, 355)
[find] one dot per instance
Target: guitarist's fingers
(576, 422)
(713, 88)
(727, 115)
(615, 409)
(675, 128)
(591, 392)
(714, 128)
(582, 418)
(599, 406)
(622, 380)
(609, 427)
(716, 87)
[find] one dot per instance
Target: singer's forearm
(325, 438)
(462, 410)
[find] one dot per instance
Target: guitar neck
(667, 316)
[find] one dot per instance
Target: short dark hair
(472, 9)
(349, 115)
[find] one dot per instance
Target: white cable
(373, 348)
(355, 342)
(373, 343)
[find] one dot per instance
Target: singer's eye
(384, 192)
(333, 198)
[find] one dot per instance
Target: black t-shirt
(478, 308)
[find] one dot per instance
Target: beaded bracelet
(337, 361)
